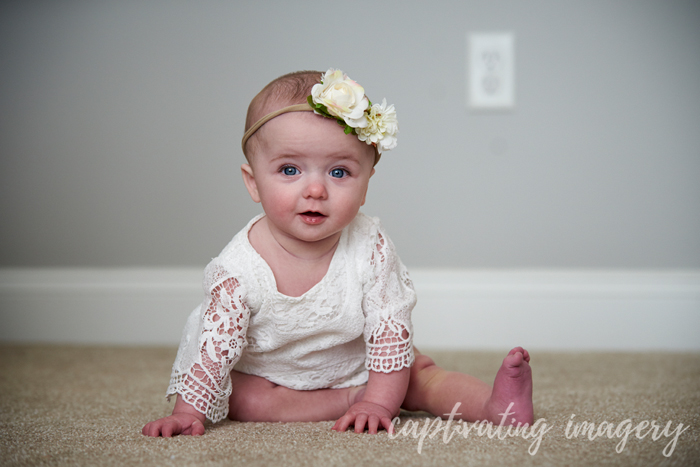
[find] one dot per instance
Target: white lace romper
(357, 318)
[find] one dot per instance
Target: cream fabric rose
(382, 127)
(343, 98)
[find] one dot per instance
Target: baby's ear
(249, 180)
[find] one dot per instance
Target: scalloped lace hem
(211, 405)
(390, 348)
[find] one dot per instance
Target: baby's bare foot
(513, 384)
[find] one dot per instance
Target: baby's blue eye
(338, 173)
(290, 170)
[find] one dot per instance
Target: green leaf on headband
(319, 107)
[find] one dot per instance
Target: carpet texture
(69, 405)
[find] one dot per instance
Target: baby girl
(307, 311)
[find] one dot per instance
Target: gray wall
(120, 125)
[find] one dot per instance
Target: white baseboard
(457, 309)
(558, 309)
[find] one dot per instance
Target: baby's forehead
(300, 123)
(297, 132)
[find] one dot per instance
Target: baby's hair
(292, 88)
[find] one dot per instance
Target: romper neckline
(270, 276)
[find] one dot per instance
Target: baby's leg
(255, 399)
(435, 390)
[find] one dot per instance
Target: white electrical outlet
(491, 70)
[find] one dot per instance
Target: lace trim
(206, 385)
(389, 344)
(390, 347)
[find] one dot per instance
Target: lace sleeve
(212, 343)
(388, 304)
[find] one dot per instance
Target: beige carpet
(62, 405)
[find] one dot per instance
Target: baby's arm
(204, 387)
(387, 303)
(185, 420)
(380, 402)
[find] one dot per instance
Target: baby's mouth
(312, 217)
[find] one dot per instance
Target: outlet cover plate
(491, 70)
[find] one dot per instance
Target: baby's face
(310, 177)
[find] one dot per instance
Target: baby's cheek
(349, 209)
(278, 209)
(278, 201)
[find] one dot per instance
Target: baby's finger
(342, 423)
(168, 429)
(152, 429)
(197, 428)
(388, 426)
(360, 422)
(373, 424)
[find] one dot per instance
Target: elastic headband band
(283, 110)
(270, 116)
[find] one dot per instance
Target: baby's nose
(315, 189)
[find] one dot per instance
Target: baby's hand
(365, 413)
(175, 424)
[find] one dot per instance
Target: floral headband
(342, 99)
